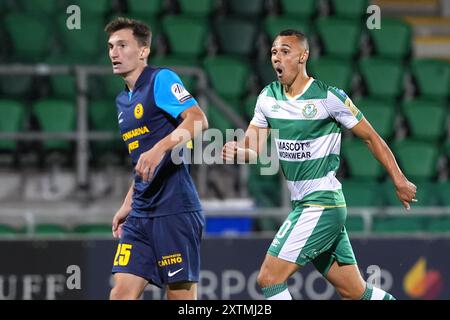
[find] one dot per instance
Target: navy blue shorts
(162, 250)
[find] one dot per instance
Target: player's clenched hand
(118, 221)
(406, 192)
(229, 151)
(147, 163)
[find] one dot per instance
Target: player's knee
(122, 293)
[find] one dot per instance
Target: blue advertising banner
(408, 268)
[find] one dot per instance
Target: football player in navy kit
(160, 222)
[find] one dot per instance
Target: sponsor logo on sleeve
(180, 93)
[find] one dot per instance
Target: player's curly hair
(141, 31)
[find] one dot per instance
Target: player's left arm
(406, 191)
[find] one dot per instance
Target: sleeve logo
(180, 92)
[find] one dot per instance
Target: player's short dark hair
(141, 31)
(300, 36)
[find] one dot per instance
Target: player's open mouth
(279, 72)
(116, 63)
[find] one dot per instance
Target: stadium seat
(198, 8)
(354, 224)
(331, 31)
(218, 120)
(352, 9)
(112, 85)
(265, 72)
(304, 9)
(427, 120)
(380, 114)
(361, 193)
(249, 106)
(236, 36)
(361, 162)
(103, 117)
(93, 229)
(228, 76)
(432, 78)
(96, 9)
(247, 9)
(30, 37)
(333, 72)
(392, 40)
(82, 45)
(400, 224)
(418, 160)
(439, 224)
(443, 190)
(55, 116)
(176, 29)
(145, 7)
(49, 229)
(189, 81)
(274, 24)
(12, 120)
(447, 149)
(384, 78)
(63, 86)
(42, 8)
(426, 194)
(264, 189)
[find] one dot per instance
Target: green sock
(374, 293)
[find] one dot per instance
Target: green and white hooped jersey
(309, 141)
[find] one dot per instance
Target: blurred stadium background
(64, 170)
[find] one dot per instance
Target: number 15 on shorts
(123, 254)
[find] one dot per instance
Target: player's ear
(145, 52)
(304, 56)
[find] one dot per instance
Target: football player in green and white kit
(308, 115)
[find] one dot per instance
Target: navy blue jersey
(147, 115)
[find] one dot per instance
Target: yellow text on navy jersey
(135, 133)
(169, 260)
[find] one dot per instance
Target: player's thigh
(127, 286)
(275, 270)
(347, 280)
(182, 291)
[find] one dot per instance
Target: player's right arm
(247, 149)
(122, 213)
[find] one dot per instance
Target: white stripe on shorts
(300, 233)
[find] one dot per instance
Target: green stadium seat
(97, 8)
(249, 106)
(50, 229)
(145, 7)
(198, 8)
(218, 120)
(439, 224)
(93, 229)
(265, 190)
(189, 81)
(176, 29)
(30, 37)
(266, 73)
(331, 31)
(19, 88)
(112, 85)
(353, 9)
(11, 121)
(447, 148)
(103, 117)
(82, 45)
(361, 193)
(229, 76)
(274, 24)
(443, 191)
(236, 36)
(304, 9)
(248, 8)
(354, 224)
(55, 116)
(361, 162)
(426, 194)
(432, 78)
(46, 8)
(418, 160)
(426, 119)
(333, 72)
(392, 40)
(400, 224)
(384, 78)
(380, 114)
(7, 230)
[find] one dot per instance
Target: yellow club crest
(138, 111)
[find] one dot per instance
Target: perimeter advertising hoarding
(74, 269)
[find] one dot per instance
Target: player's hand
(147, 163)
(406, 192)
(118, 221)
(229, 151)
